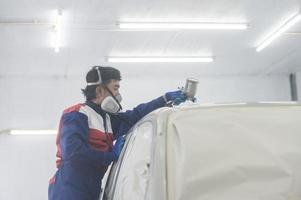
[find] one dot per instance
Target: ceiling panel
(90, 34)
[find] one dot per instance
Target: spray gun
(190, 88)
(188, 92)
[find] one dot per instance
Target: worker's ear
(100, 90)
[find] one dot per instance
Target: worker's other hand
(176, 97)
(118, 146)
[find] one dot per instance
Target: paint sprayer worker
(86, 133)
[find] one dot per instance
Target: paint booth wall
(37, 103)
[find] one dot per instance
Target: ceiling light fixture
(57, 31)
(182, 25)
(33, 132)
(288, 24)
(159, 59)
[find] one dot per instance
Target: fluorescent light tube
(57, 31)
(159, 59)
(33, 132)
(182, 25)
(288, 24)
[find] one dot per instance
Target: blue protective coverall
(84, 148)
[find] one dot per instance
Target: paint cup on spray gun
(191, 88)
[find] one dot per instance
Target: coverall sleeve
(122, 123)
(75, 144)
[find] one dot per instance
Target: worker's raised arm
(125, 120)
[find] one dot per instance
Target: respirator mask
(110, 104)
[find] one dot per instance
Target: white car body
(211, 152)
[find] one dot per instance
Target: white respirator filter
(110, 105)
(119, 98)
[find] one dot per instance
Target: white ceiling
(90, 35)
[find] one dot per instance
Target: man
(86, 133)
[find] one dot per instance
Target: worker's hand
(176, 97)
(118, 146)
